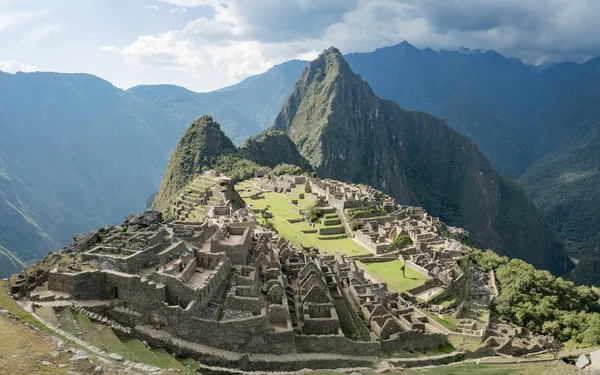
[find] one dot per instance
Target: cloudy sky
(208, 44)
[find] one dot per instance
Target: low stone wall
(416, 267)
(378, 259)
(335, 344)
(294, 221)
(316, 362)
(439, 360)
(411, 340)
(163, 256)
(252, 304)
(334, 230)
(421, 288)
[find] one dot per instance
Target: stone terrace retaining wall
(335, 344)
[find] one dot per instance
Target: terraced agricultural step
(330, 222)
(88, 332)
(113, 344)
(332, 237)
(146, 355)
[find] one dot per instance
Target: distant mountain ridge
(497, 102)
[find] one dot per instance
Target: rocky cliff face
(348, 133)
(271, 149)
(199, 146)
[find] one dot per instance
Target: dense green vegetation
(204, 147)
(312, 213)
(543, 303)
(273, 148)
(400, 242)
(288, 169)
(363, 212)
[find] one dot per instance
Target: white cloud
(153, 7)
(12, 19)
(247, 37)
(39, 33)
(164, 50)
(191, 3)
(178, 10)
(13, 66)
(110, 49)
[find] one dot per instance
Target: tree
(312, 213)
(400, 242)
(403, 268)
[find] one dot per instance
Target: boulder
(582, 361)
(146, 219)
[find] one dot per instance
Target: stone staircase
(102, 319)
(196, 198)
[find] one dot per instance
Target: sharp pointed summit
(348, 133)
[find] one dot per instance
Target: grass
(282, 209)
(23, 351)
(156, 357)
(447, 321)
(391, 273)
(447, 301)
(533, 368)
(464, 343)
(9, 304)
(88, 331)
(112, 344)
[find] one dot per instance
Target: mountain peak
(200, 144)
(329, 63)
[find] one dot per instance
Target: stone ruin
(235, 288)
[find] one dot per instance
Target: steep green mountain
(203, 146)
(271, 149)
(348, 133)
(564, 181)
(199, 146)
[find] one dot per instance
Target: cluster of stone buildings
(226, 283)
(235, 286)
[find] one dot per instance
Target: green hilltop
(203, 146)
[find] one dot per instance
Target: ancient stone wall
(89, 286)
(320, 326)
(278, 314)
(331, 230)
(337, 344)
(172, 250)
(421, 288)
(416, 267)
(242, 335)
(60, 282)
(252, 304)
(411, 340)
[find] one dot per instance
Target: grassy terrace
(391, 273)
(282, 210)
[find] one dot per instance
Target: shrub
(355, 224)
(313, 214)
(400, 242)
